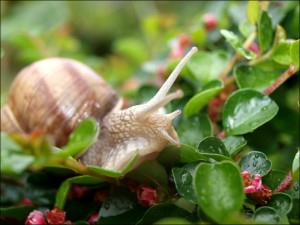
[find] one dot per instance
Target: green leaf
(246, 110)
(13, 159)
(188, 154)
(212, 147)
(150, 173)
(198, 101)
(256, 163)
(234, 144)
(219, 189)
(183, 178)
(266, 214)
(161, 211)
(282, 203)
(282, 53)
(273, 179)
(113, 173)
(121, 207)
(294, 51)
(295, 167)
(293, 216)
(280, 35)
(173, 220)
(207, 66)
(246, 28)
(252, 11)
(193, 129)
(18, 213)
(254, 77)
(81, 138)
(237, 44)
(265, 31)
(62, 193)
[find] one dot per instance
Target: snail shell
(55, 95)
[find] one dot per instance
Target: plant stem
(283, 77)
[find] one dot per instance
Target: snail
(56, 94)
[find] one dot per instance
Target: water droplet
(256, 156)
(106, 206)
(254, 163)
(264, 108)
(186, 178)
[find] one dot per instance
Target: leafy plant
(238, 161)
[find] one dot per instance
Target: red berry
(210, 21)
(35, 217)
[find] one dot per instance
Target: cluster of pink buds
(54, 216)
(255, 189)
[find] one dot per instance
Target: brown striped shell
(54, 95)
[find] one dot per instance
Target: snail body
(54, 95)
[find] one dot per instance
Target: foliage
(238, 161)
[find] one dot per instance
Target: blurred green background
(123, 40)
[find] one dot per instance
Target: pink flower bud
(210, 21)
(257, 181)
(250, 189)
(55, 216)
(147, 196)
(35, 217)
(254, 48)
(92, 220)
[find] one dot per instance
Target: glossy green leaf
(219, 189)
(198, 101)
(207, 66)
(265, 31)
(183, 178)
(160, 211)
(150, 173)
(295, 167)
(237, 44)
(254, 77)
(212, 147)
(121, 207)
(234, 144)
(252, 11)
(189, 154)
(282, 203)
(256, 163)
(266, 214)
(193, 129)
(282, 53)
(81, 138)
(294, 51)
(246, 110)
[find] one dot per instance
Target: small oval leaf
(265, 31)
(256, 163)
(246, 110)
(282, 203)
(219, 189)
(213, 145)
(266, 214)
(234, 144)
(193, 129)
(198, 101)
(254, 77)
